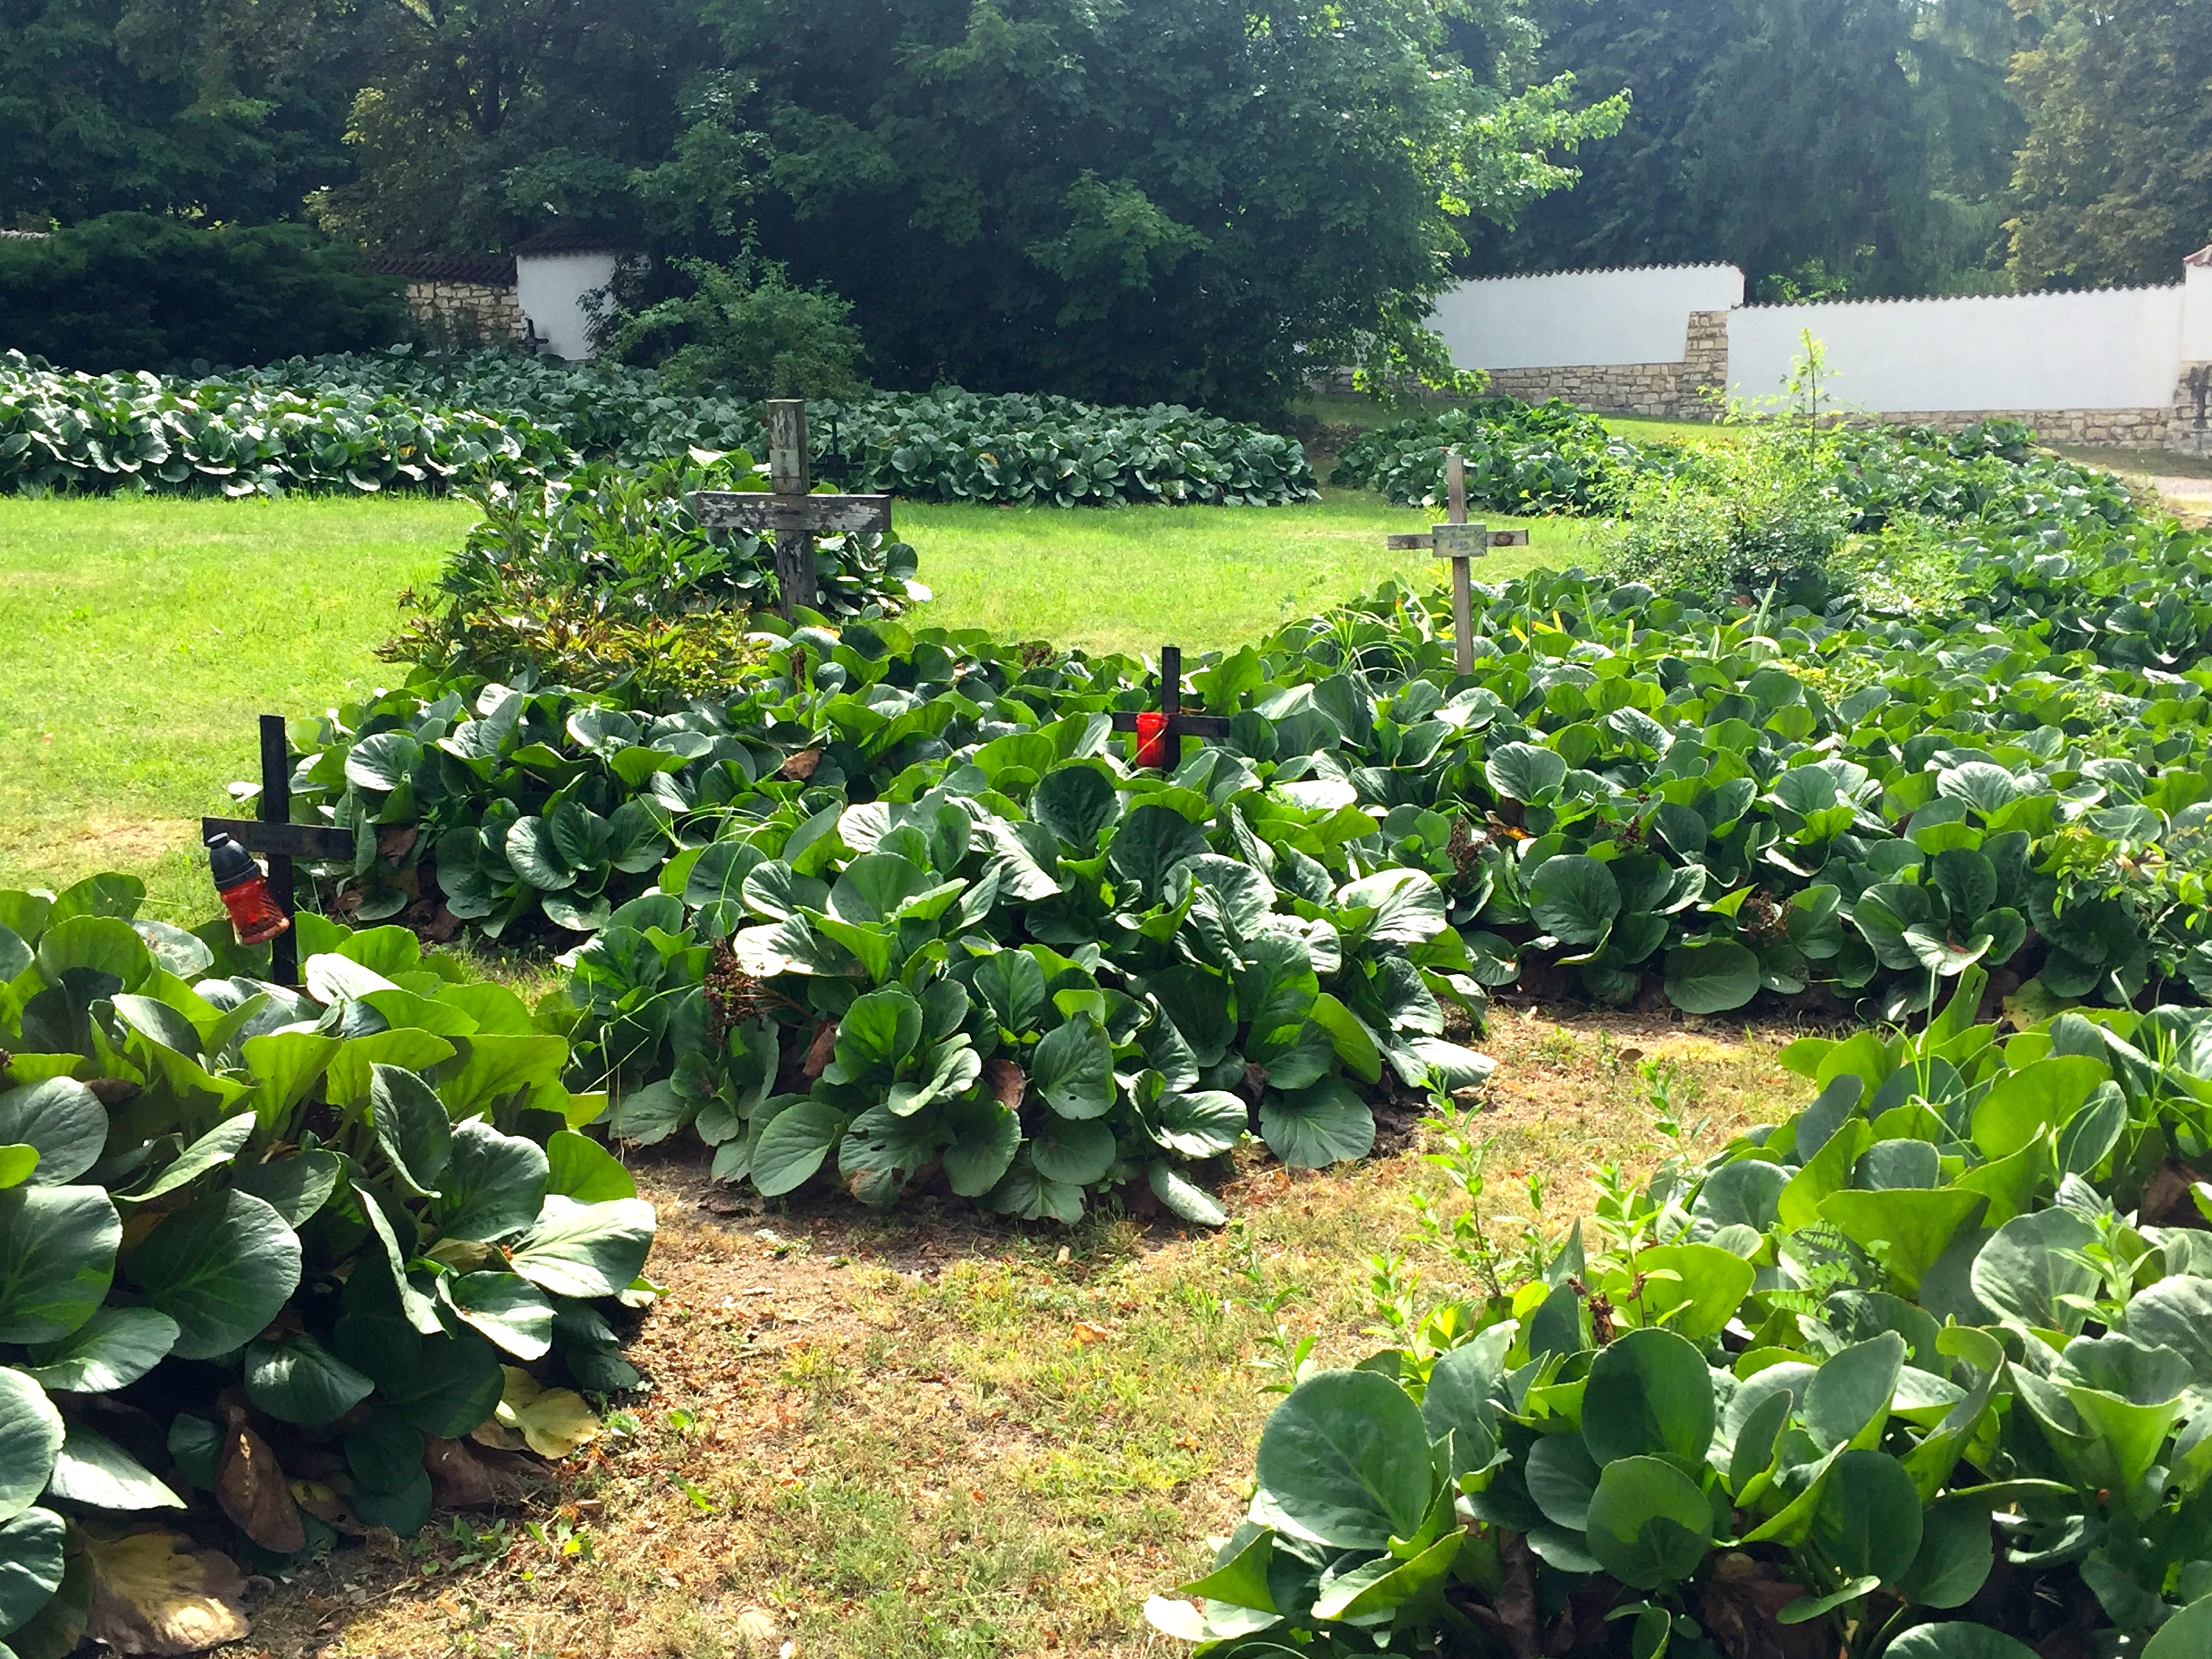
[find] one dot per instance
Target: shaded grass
(930, 1435)
(138, 639)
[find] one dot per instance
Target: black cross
(1180, 725)
(796, 517)
(275, 836)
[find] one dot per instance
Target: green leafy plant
(271, 1256)
(1920, 1371)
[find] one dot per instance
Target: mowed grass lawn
(138, 639)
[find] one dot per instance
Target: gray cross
(1459, 541)
(796, 517)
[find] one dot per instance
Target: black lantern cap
(229, 863)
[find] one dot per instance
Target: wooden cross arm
(1179, 725)
(296, 841)
(1458, 545)
(820, 515)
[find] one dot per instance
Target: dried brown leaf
(155, 1594)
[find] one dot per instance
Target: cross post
(273, 834)
(796, 516)
(1174, 726)
(1459, 541)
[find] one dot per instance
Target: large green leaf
(578, 1167)
(1649, 1524)
(412, 1130)
(1574, 896)
(62, 1119)
(1851, 1392)
(1202, 1123)
(1868, 1519)
(57, 1259)
(2187, 1635)
(1344, 1461)
(510, 1312)
(292, 1377)
(222, 1267)
(493, 1185)
(1711, 978)
(110, 1350)
(30, 1440)
(1076, 1150)
(32, 1562)
(1074, 1069)
(94, 1470)
(1965, 1641)
(794, 1145)
(1312, 1128)
(585, 1249)
(2028, 1268)
(1649, 1392)
(104, 944)
(880, 1028)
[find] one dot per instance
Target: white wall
(550, 289)
(2112, 348)
(1575, 318)
(2197, 315)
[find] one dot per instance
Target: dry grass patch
(930, 1434)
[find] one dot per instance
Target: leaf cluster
(1920, 1371)
(269, 1253)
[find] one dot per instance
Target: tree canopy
(2115, 180)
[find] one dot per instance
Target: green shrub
(1521, 457)
(269, 1256)
(132, 291)
(745, 332)
(1764, 514)
(64, 433)
(606, 578)
(1923, 1368)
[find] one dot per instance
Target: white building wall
(2109, 349)
(1581, 317)
(550, 289)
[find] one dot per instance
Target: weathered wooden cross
(796, 517)
(1459, 541)
(1159, 736)
(275, 835)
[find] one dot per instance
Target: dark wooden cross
(1459, 541)
(274, 835)
(1175, 726)
(796, 517)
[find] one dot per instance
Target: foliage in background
(1854, 146)
(2112, 186)
(1521, 457)
(988, 187)
(130, 291)
(607, 578)
(69, 433)
(397, 419)
(743, 332)
(1922, 1372)
(288, 1259)
(196, 108)
(946, 445)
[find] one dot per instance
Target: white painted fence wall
(551, 288)
(2107, 349)
(1582, 316)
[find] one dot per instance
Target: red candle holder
(238, 881)
(1151, 738)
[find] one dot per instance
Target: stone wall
(2118, 428)
(462, 310)
(1663, 391)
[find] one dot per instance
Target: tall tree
(1854, 144)
(2115, 180)
(1139, 197)
(222, 109)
